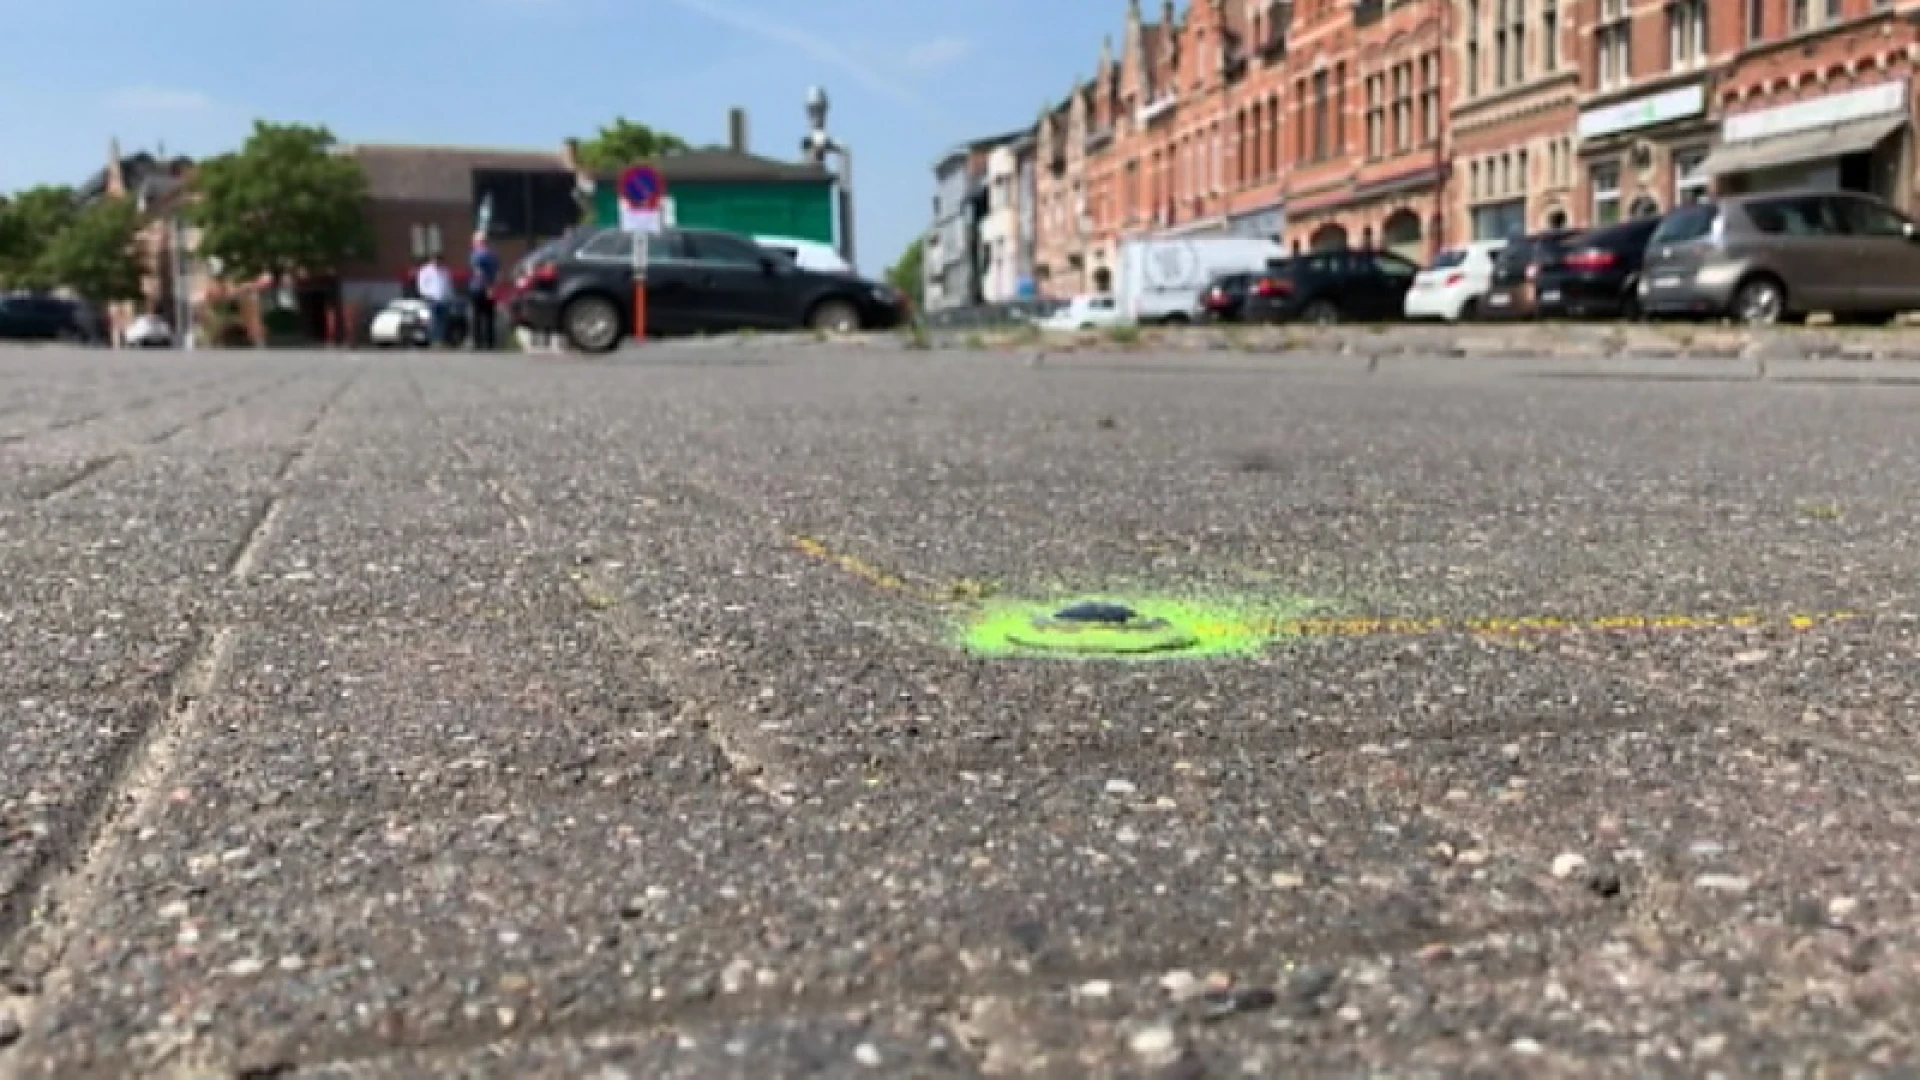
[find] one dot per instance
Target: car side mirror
(769, 265)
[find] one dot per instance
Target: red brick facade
(1421, 123)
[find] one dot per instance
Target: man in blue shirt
(483, 273)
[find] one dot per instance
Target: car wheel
(592, 324)
(1761, 301)
(1178, 318)
(1469, 310)
(1322, 313)
(834, 317)
(1630, 306)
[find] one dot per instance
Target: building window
(1689, 185)
(1273, 137)
(1549, 35)
(1375, 120)
(1606, 195)
(1339, 109)
(1402, 107)
(1797, 16)
(1833, 11)
(1429, 99)
(1473, 185)
(1756, 20)
(1519, 33)
(1613, 44)
(1320, 115)
(1686, 34)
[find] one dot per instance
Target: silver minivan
(1778, 257)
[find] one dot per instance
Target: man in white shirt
(436, 288)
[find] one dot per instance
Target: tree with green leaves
(623, 142)
(283, 204)
(906, 274)
(95, 254)
(28, 223)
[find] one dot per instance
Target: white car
(1085, 313)
(1454, 285)
(807, 254)
(149, 332)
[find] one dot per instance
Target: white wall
(1000, 232)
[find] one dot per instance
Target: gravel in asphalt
(515, 716)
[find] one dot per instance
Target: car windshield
(1447, 260)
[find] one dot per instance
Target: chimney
(737, 130)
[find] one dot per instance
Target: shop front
(1853, 140)
(1642, 156)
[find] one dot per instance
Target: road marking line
(1520, 626)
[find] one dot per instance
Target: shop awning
(1817, 145)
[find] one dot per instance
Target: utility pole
(182, 286)
(817, 145)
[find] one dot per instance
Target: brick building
(1645, 124)
(1414, 124)
(1365, 97)
(1815, 92)
(1516, 99)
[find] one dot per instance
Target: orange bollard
(639, 310)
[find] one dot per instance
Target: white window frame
(1687, 178)
(1604, 180)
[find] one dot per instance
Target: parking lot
(387, 716)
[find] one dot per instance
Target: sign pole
(640, 287)
(641, 190)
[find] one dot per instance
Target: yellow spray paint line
(857, 567)
(1374, 627)
(1539, 626)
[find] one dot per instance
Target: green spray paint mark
(1193, 629)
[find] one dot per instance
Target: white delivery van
(1162, 278)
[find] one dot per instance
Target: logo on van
(1173, 265)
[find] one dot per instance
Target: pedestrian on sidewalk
(436, 288)
(483, 273)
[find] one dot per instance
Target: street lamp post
(817, 145)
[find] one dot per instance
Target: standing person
(436, 289)
(483, 271)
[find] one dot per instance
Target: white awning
(1816, 145)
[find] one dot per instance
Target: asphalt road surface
(524, 717)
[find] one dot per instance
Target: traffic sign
(642, 187)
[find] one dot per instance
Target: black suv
(1599, 274)
(1332, 286)
(699, 281)
(38, 317)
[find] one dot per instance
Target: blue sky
(906, 80)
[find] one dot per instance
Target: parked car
(1456, 283)
(1599, 274)
(28, 316)
(1512, 294)
(1772, 258)
(1225, 298)
(1090, 312)
(1332, 286)
(698, 281)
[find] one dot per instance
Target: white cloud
(935, 54)
(158, 99)
(808, 43)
